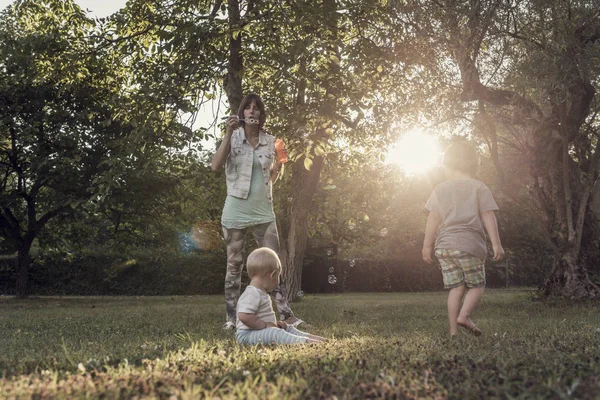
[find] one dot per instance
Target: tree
(329, 71)
(369, 211)
(527, 72)
(69, 125)
(330, 78)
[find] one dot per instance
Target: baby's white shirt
(255, 301)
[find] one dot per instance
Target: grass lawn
(392, 345)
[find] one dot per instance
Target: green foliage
(368, 209)
(375, 214)
(71, 134)
(55, 120)
(87, 132)
(98, 142)
(382, 346)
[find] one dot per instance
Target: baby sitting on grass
(256, 322)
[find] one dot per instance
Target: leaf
(319, 151)
(335, 59)
(308, 163)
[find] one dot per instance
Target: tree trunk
(23, 262)
(294, 229)
(305, 181)
(563, 195)
(569, 278)
(233, 79)
(561, 184)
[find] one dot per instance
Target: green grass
(384, 345)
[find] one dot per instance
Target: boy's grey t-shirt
(460, 204)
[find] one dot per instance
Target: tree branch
(489, 131)
(48, 216)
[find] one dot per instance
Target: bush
(107, 272)
(411, 274)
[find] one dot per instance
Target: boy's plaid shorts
(459, 267)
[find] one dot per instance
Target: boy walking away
(459, 210)
(256, 322)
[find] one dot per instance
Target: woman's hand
(232, 123)
(282, 155)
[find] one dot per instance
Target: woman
(251, 167)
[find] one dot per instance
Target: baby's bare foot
(319, 338)
(310, 340)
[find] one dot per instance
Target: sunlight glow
(416, 152)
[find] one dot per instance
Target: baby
(256, 322)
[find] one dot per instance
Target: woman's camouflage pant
(266, 236)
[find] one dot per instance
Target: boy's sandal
(473, 329)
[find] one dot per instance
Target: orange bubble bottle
(282, 155)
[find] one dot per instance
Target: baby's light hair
(262, 261)
(462, 156)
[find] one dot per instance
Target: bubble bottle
(282, 155)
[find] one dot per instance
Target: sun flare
(416, 152)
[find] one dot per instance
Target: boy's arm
(433, 224)
(491, 226)
(253, 322)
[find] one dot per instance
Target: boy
(459, 209)
(256, 322)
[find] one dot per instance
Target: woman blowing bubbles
(252, 164)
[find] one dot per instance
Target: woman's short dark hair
(259, 103)
(462, 156)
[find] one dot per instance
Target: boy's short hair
(462, 156)
(262, 261)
